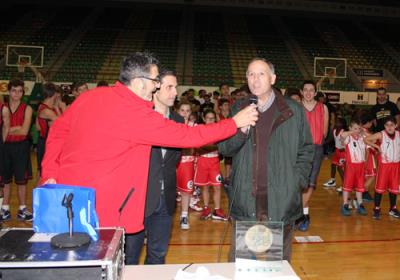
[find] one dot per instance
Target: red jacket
(104, 140)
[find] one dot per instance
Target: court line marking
(299, 243)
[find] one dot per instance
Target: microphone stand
(69, 240)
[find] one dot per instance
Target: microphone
(253, 99)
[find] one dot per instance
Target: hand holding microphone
(253, 100)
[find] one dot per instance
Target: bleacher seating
(270, 45)
(223, 43)
(211, 64)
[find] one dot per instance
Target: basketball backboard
(24, 54)
(330, 67)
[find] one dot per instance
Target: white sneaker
(196, 207)
(330, 183)
(339, 189)
(184, 223)
(350, 203)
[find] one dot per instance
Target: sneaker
(350, 204)
(339, 189)
(305, 224)
(196, 207)
(218, 214)
(299, 220)
(5, 215)
(394, 213)
(361, 210)
(206, 214)
(184, 223)
(24, 215)
(197, 192)
(330, 183)
(367, 197)
(345, 210)
(377, 213)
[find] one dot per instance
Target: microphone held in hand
(253, 99)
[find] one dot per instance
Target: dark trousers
(157, 228)
(287, 242)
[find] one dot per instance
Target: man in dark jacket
(161, 190)
(272, 161)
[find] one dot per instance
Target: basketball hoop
(21, 66)
(331, 77)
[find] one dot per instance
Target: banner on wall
(368, 72)
(333, 97)
(28, 87)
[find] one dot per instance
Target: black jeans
(157, 228)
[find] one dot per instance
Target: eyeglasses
(156, 80)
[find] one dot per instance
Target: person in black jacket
(161, 192)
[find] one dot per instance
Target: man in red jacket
(104, 140)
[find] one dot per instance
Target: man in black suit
(161, 192)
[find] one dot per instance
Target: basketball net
(331, 77)
(21, 67)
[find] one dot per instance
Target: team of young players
(363, 156)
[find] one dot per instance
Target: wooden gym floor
(355, 247)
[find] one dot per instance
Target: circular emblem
(190, 185)
(258, 238)
(219, 178)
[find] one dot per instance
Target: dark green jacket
(290, 155)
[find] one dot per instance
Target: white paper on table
(42, 237)
(308, 239)
(259, 270)
(201, 273)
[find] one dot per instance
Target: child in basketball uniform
(208, 174)
(338, 158)
(4, 127)
(370, 168)
(387, 142)
(48, 112)
(185, 170)
(17, 163)
(354, 175)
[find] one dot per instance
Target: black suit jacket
(163, 169)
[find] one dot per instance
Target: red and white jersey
(211, 154)
(355, 149)
(338, 143)
(390, 148)
(187, 154)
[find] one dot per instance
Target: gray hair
(136, 65)
(270, 65)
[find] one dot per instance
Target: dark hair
(16, 83)
(59, 89)
(293, 91)
(184, 103)
(320, 94)
(366, 117)
(102, 83)
(166, 72)
(215, 93)
(309, 82)
(355, 119)
(209, 111)
(389, 119)
(341, 123)
(136, 65)
(76, 85)
(49, 89)
(381, 88)
(223, 84)
(222, 101)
